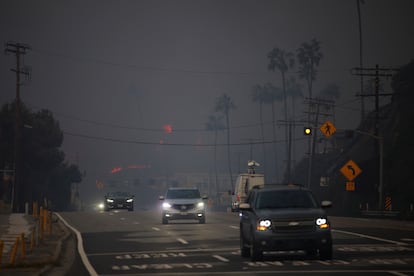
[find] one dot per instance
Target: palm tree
(275, 94)
(224, 104)
(294, 90)
(282, 61)
(309, 55)
(259, 95)
(215, 123)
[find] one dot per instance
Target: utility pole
(361, 60)
(377, 72)
(289, 124)
(17, 49)
(315, 110)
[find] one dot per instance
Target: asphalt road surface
(136, 243)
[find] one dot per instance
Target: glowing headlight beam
(322, 223)
(264, 225)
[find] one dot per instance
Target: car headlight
(109, 200)
(322, 223)
(264, 224)
(130, 200)
(101, 206)
(166, 205)
(200, 205)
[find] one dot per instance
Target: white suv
(183, 203)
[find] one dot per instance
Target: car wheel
(131, 209)
(202, 220)
(164, 221)
(244, 250)
(255, 253)
(325, 253)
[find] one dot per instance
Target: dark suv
(119, 200)
(284, 218)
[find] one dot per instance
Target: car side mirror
(161, 198)
(326, 204)
(244, 206)
(204, 197)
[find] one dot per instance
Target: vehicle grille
(293, 225)
(119, 201)
(183, 207)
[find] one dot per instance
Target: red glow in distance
(167, 128)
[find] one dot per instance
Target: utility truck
(244, 183)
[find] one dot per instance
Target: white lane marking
(369, 237)
(397, 273)
(155, 229)
(407, 239)
(81, 251)
(181, 250)
(182, 241)
(135, 222)
(122, 218)
(234, 227)
(221, 258)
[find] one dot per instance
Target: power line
(107, 139)
(99, 123)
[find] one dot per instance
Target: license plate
(120, 205)
(183, 213)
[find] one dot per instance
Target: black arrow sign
(351, 169)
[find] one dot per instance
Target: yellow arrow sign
(328, 129)
(350, 170)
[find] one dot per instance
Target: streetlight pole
(381, 164)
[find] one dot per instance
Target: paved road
(135, 243)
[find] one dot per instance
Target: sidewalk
(42, 257)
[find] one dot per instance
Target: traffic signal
(307, 131)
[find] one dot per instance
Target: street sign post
(350, 186)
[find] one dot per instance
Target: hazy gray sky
(143, 64)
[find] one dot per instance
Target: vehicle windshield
(190, 193)
(118, 194)
(285, 199)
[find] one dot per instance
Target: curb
(43, 263)
(54, 260)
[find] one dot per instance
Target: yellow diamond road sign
(350, 170)
(328, 129)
